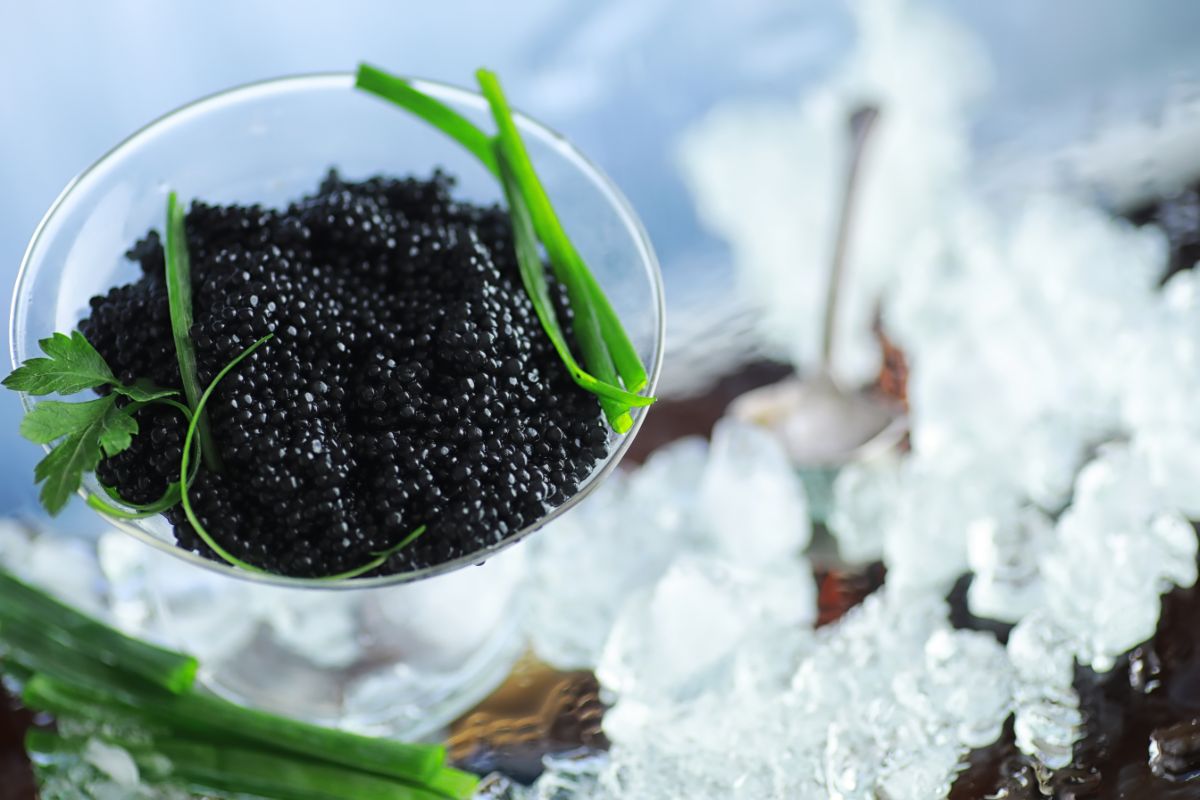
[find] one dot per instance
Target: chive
(28, 646)
(185, 481)
(104, 681)
(179, 300)
(533, 275)
(454, 783)
(534, 278)
(231, 769)
(59, 623)
(170, 497)
(193, 426)
(436, 113)
(629, 363)
(207, 718)
(378, 561)
(245, 772)
(607, 348)
(587, 325)
(563, 254)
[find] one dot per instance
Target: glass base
(400, 661)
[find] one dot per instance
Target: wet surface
(1153, 695)
(537, 711)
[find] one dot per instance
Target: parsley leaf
(117, 430)
(54, 419)
(85, 431)
(61, 471)
(73, 365)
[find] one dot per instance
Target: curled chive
(185, 479)
(185, 460)
(170, 497)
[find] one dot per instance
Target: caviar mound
(408, 381)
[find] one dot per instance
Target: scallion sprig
(58, 628)
(617, 373)
(142, 698)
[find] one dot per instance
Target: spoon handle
(862, 121)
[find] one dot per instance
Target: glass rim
(345, 79)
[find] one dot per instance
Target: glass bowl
(271, 142)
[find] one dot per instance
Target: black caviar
(408, 382)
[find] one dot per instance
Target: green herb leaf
(87, 429)
(179, 299)
(73, 365)
(51, 420)
(117, 430)
(169, 498)
(61, 471)
(144, 391)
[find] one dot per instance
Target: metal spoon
(820, 423)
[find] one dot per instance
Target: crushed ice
(1055, 455)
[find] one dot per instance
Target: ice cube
(499, 787)
(752, 502)
(662, 492)
(571, 776)
(925, 543)
(1046, 458)
(1048, 730)
(864, 501)
(716, 748)
(586, 563)
(1172, 459)
(1116, 551)
(1003, 553)
(852, 760)
(919, 768)
(113, 761)
(321, 628)
(670, 641)
(1041, 652)
(856, 658)
(1048, 721)
(965, 685)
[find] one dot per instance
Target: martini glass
(268, 143)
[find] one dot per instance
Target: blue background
(622, 79)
